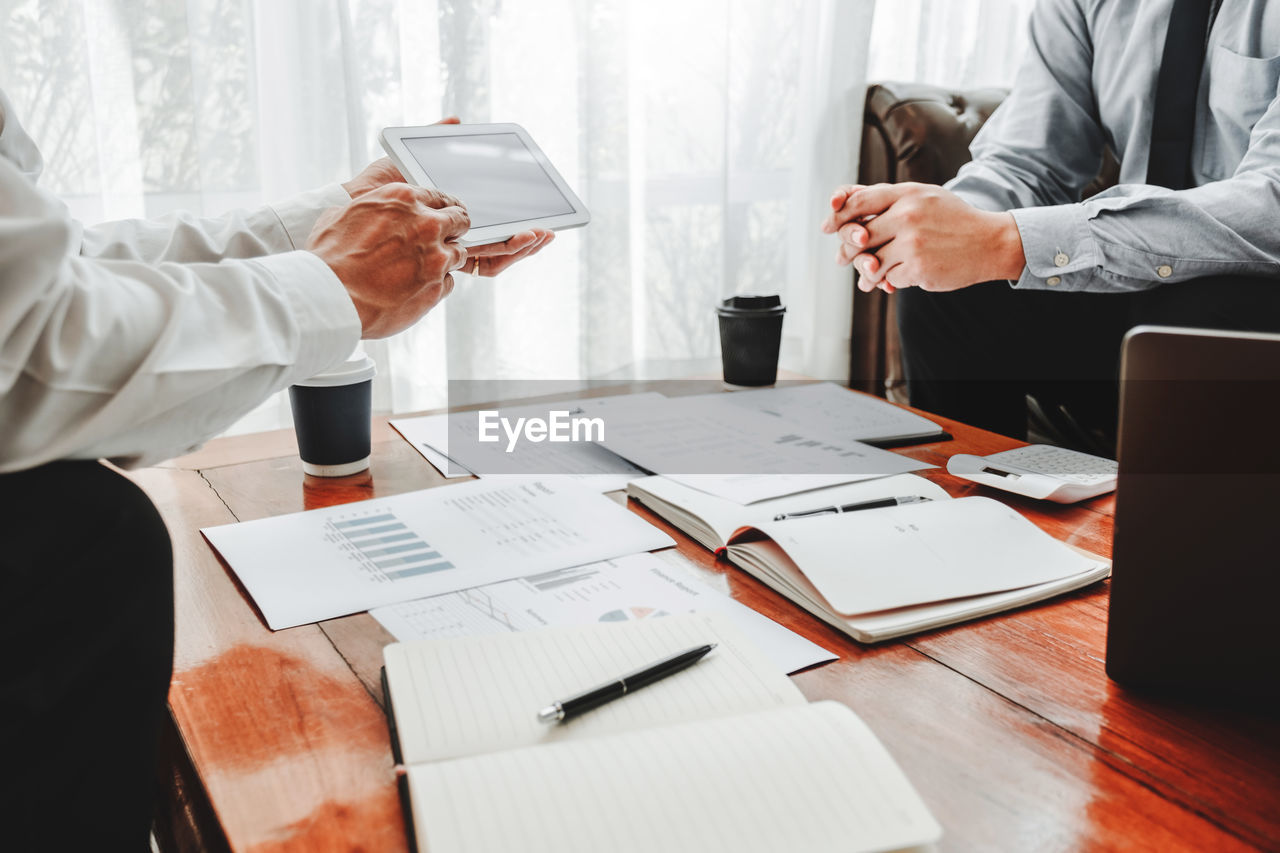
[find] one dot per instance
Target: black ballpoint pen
(558, 712)
(829, 510)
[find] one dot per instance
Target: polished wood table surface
(1007, 726)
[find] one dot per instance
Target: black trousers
(87, 633)
(975, 354)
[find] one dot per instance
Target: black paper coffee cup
(750, 337)
(332, 418)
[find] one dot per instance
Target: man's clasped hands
(921, 235)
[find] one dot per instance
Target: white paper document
(450, 442)
(832, 410)
(446, 466)
(740, 454)
(641, 586)
(330, 562)
(748, 489)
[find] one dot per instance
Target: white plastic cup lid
(358, 368)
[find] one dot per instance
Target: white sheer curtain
(953, 43)
(704, 136)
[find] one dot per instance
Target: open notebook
(882, 573)
(723, 755)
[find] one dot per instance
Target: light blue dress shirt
(1088, 81)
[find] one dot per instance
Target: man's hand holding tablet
(488, 259)
(507, 183)
(492, 258)
(393, 248)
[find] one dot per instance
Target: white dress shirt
(138, 340)
(1089, 80)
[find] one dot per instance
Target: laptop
(1195, 589)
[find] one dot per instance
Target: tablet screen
(494, 174)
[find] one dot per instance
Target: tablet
(497, 170)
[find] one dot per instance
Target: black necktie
(1174, 117)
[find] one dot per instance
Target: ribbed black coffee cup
(750, 338)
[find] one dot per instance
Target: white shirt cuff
(327, 319)
(1059, 247)
(298, 214)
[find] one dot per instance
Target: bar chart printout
(328, 562)
(386, 546)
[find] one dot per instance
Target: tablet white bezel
(392, 139)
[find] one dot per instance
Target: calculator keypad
(1069, 465)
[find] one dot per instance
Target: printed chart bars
(386, 543)
(548, 581)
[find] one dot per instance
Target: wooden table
(1008, 726)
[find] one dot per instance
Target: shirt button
(1164, 270)
(1053, 281)
(1061, 259)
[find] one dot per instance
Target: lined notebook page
(865, 562)
(810, 777)
(472, 695)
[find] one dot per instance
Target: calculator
(1039, 471)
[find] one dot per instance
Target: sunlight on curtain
(704, 137)
(952, 43)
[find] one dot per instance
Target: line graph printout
(642, 586)
(830, 410)
(330, 562)
(740, 454)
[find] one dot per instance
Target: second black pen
(831, 510)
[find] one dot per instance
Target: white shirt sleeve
(115, 344)
(181, 237)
